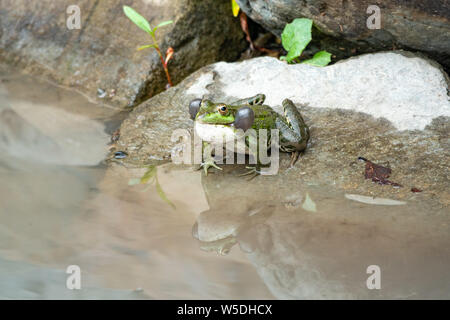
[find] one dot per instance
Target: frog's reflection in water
(310, 242)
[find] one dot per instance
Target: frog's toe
(252, 172)
(207, 164)
(259, 99)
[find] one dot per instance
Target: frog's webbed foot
(255, 100)
(252, 173)
(208, 158)
(208, 164)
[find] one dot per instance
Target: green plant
(142, 23)
(295, 37)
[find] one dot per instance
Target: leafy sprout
(295, 38)
(142, 23)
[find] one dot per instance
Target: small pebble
(101, 93)
(115, 136)
(120, 155)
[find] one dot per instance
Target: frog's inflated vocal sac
(216, 121)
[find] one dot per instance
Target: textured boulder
(102, 54)
(418, 25)
(387, 107)
(311, 231)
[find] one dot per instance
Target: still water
(196, 237)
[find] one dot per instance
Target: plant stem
(166, 70)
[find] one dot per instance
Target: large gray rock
(311, 231)
(102, 54)
(414, 24)
(387, 107)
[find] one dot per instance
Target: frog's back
(264, 117)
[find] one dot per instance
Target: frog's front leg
(294, 133)
(208, 159)
(255, 100)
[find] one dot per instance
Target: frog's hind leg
(255, 100)
(252, 172)
(294, 157)
(295, 119)
(295, 133)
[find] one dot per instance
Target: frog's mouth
(213, 119)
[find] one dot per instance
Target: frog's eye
(222, 109)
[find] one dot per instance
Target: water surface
(215, 237)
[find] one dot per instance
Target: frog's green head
(207, 112)
(215, 113)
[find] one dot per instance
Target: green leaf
(162, 24)
(146, 46)
(309, 204)
(235, 8)
(295, 37)
(320, 59)
(139, 20)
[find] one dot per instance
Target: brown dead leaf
(253, 46)
(377, 173)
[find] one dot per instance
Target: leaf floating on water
(372, 200)
(378, 173)
(309, 204)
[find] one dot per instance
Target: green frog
(222, 120)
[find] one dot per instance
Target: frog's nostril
(244, 118)
(194, 105)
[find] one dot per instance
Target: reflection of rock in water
(20, 139)
(325, 254)
(42, 123)
(53, 136)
